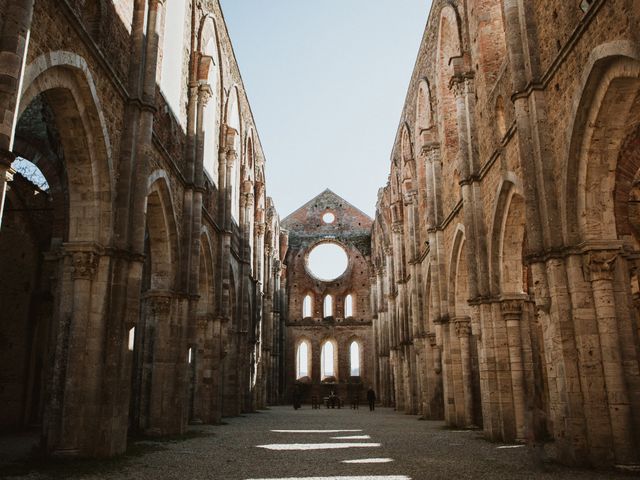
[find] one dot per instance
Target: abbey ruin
(147, 282)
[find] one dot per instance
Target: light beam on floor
(316, 446)
(352, 437)
(315, 431)
(365, 477)
(369, 460)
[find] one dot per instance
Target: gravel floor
(420, 450)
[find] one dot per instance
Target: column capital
(462, 326)
(397, 227)
(84, 265)
(431, 337)
(601, 264)
(511, 309)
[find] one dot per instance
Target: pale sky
(326, 81)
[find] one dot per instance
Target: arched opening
(303, 360)
(600, 210)
(172, 70)
(348, 306)
(154, 386)
(327, 306)
(328, 361)
(307, 307)
(423, 108)
(60, 198)
(234, 124)
(355, 361)
(449, 50)
(210, 120)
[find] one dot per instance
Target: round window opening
(328, 217)
(327, 261)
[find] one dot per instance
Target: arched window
(210, 114)
(354, 356)
(348, 306)
(171, 80)
(328, 306)
(327, 360)
(306, 307)
(303, 356)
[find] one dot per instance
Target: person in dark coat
(371, 398)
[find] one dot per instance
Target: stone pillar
(601, 266)
(512, 315)
(463, 330)
(69, 438)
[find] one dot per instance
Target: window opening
(327, 360)
(306, 307)
(348, 306)
(303, 360)
(328, 306)
(354, 354)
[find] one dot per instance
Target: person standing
(371, 398)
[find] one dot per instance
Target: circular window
(327, 261)
(328, 217)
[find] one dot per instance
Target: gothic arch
(163, 233)
(506, 263)
(458, 276)
(66, 81)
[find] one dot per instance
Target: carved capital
(462, 326)
(397, 227)
(430, 151)
(260, 229)
(461, 85)
(431, 337)
(204, 94)
(511, 309)
(601, 265)
(160, 305)
(85, 265)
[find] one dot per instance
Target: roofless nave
(146, 281)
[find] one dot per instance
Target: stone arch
(449, 52)
(490, 37)
(210, 74)
(424, 115)
(458, 276)
(607, 113)
(506, 262)
(357, 341)
(500, 118)
(309, 360)
(234, 132)
(206, 289)
(327, 354)
(66, 82)
(162, 233)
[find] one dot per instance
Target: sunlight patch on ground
(369, 460)
(511, 446)
(364, 477)
(316, 446)
(315, 431)
(352, 437)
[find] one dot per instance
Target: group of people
(333, 400)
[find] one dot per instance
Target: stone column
(512, 315)
(601, 266)
(463, 330)
(73, 356)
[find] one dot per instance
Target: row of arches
(148, 255)
(497, 262)
(328, 360)
(327, 306)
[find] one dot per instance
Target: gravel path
(418, 450)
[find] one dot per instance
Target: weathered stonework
(144, 298)
(507, 234)
(351, 230)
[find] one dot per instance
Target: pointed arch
(458, 276)
(329, 360)
(304, 355)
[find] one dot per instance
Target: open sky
(327, 82)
